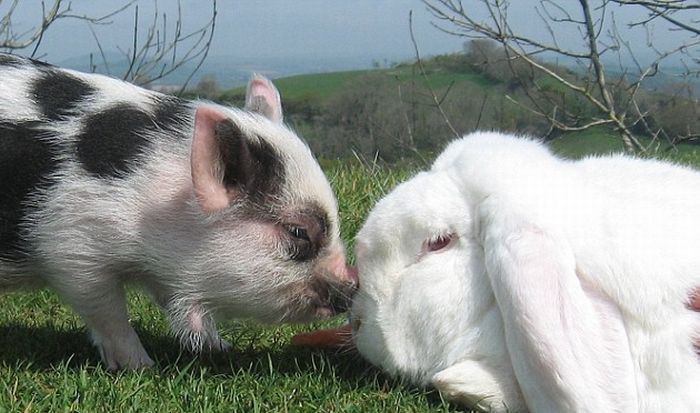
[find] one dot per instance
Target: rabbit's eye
(438, 243)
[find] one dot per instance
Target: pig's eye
(301, 248)
(299, 233)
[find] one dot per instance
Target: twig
(425, 76)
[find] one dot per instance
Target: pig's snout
(335, 288)
(343, 289)
(337, 269)
(334, 284)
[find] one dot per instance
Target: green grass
(324, 85)
(321, 85)
(48, 365)
(593, 141)
(439, 79)
(598, 141)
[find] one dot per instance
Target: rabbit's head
(425, 303)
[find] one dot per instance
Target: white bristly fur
(564, 287)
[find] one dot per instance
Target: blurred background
(390, 80)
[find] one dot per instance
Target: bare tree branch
(616, 99)
(59, 9)
(661, 4)
(438, 105)
(153, 53)
(156, 54)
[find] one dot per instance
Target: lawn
(47, 365)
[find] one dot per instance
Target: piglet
(215, 211)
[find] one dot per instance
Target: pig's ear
(221, 159)
(262, 97)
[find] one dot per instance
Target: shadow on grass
(47, 347)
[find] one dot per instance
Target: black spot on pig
(112, 140)
(251, 165)
(58, 93)
(27, 164)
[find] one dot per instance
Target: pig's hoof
(125, 359)
(122, 351)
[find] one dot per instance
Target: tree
(151, 55)
(208, 87)
(608, 73)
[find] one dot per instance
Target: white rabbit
(513, 280)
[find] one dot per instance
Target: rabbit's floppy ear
(566, 341)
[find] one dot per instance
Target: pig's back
(60, 126)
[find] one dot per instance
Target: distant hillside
(391, 113)
(228, 71)
(321, 87)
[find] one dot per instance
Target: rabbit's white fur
(564, 287)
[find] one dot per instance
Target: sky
(304, 35)
(271, 28)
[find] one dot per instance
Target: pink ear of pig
(264, 98)
(206, 161)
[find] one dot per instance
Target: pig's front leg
(195, 327)
(102, 305)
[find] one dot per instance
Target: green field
(321, 86)
(325, 85)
